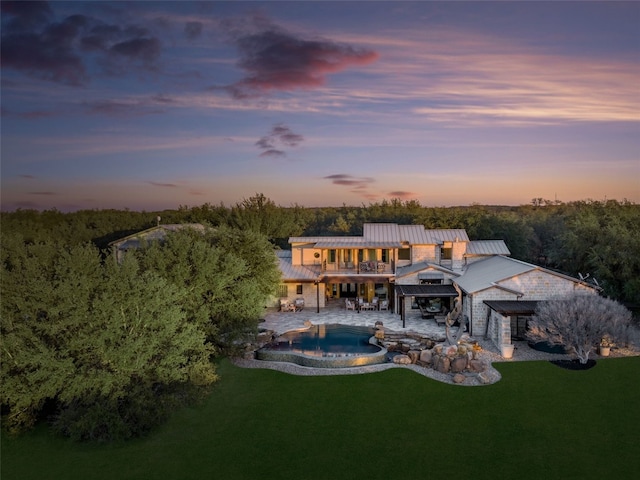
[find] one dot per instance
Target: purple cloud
(35, 44)
(280, 134)
(274, 59)
(350, 180)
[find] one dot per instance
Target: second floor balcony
(368, 267)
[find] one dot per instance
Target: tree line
(596, 238)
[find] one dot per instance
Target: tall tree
(228, 275)
(108, 345)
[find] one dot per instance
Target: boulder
(444, 365)
(402, 359)
(458, 364)
(413, 355)
(451, 351)
(425, 356)
(459, 378)
(477, 366)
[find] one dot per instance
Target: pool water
(327, 346)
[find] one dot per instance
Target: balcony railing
(359, 268)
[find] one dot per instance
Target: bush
(579, 322)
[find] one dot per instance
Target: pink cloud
(275, 59)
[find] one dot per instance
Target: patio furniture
(349, 305)
(285, 306)
(440, 319)
(299, 304)
(384, 305)
(374, 303)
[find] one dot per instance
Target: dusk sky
(153, 105)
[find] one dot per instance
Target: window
(446, 252)
(298, 289)
(385, 255)
(332, 256)
(404, 254)
(283, 291)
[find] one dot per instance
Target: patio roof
(513, 307)
(338, 278)
(427, 290)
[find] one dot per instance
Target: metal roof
(419, 266)
(296, 273)
(485, 273)
(449, 235)
(359, 243)
(386, 235)
(513, 307)
(362, 278)
(426, 290)
(159, 232)
(487, 247)
(381, 232)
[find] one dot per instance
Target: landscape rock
(459, 378)
(402, 360)
(425, 356)
(458, 364)
(477, 366)
(444, 365)
(413, 355)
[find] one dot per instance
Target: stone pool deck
(281, 322)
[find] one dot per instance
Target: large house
(417, 268)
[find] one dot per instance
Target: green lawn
(539, 421)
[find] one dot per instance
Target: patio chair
(349, 305)
(374, 303)
(299, 304)
(284, 305)
(384, 305)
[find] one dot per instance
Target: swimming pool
(326, 346)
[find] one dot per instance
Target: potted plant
(605, 346)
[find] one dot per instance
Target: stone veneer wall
(535, 285)
(541, 285)
(423, 253)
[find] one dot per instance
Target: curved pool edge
(342, 361)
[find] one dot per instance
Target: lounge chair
(349, 305)
(299, 304)
(384, 305)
